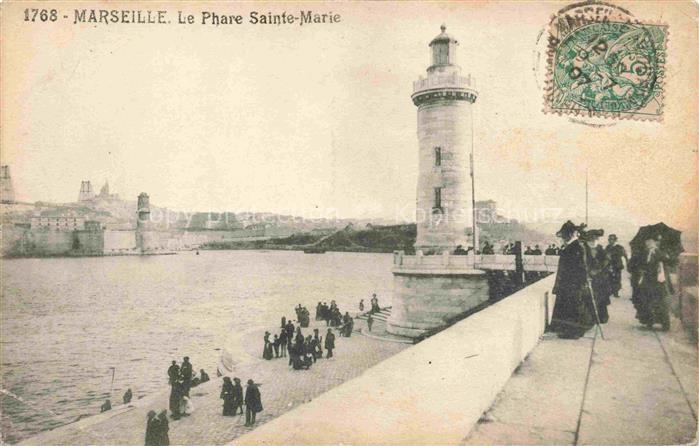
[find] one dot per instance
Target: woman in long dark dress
(151, 429)
(163, 429)
(573, 313)
(651, 285)
(267, 350)
(228, 397)
(176, 394)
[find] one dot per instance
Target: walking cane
(594, 306)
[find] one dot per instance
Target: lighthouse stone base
(428, 290)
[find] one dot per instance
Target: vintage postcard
(348, 223)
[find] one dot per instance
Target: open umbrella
(669, 239)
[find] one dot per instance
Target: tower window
(438, 197)
(437, 156)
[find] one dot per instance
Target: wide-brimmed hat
(592, 234)
(569, 228)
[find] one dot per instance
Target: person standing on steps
(369, 322)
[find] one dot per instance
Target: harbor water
(76, 331)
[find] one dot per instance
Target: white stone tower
(434, 285)
(445, 134)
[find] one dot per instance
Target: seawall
(431, 393)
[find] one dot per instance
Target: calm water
(65, 322)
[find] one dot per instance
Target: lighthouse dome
(443, 37)
(443, 50)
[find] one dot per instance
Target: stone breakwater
(282, 390)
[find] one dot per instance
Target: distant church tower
(445, 131)
(86, 192)
(7, 193)
(434, 285)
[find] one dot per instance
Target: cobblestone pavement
(282, 390)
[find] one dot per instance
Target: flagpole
(473, 199)
(587, 178)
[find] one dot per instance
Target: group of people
(533, 252)
(182, 379)
(107, 405)
(588, 274)
(232, 396)
(374, 302)
(331, 314)
(303, 316)
(303, 351)
(157, 427)
(552, 250)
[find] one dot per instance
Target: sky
(316, 120)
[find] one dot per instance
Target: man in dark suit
(173, 373)
(617, 261)
(253, 403)
(329, 343)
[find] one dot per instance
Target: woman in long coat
(163, 437)
(651, 285)
(228, 397)
(267, 350)
(253, 402)
(573, 313)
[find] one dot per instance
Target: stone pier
(428, 290)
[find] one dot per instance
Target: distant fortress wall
(119, 241)
(18, 241)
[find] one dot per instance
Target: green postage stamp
(602, 62)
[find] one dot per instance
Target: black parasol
(669, 239)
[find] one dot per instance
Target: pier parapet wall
(433, 392)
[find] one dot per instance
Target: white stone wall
(445, 124)
(431, 393)
(424, 300)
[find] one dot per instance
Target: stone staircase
(381, 316)
(379, 327)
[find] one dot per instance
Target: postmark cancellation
(602, 62)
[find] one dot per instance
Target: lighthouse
(435, 285)
(444, 101)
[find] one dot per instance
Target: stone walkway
(282, 390)
(636, 386)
